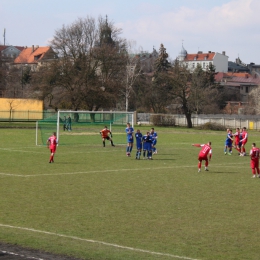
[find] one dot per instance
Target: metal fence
(25, 115)
(229, 121)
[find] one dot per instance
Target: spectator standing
(69, 123)
(65, 123)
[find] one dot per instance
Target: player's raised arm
(197, 145)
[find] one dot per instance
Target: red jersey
(205, 150)
(52, 140)
(254, 153)
(244, 136)
(237, 137)
(105, 132)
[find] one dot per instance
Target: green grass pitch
(96, 203)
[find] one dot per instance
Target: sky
(199, 25)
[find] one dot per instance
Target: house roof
(200, 57)
(32, 54)
(238, 74)
(237, 78)
(233, 66)
(250, 80)
(3, 47)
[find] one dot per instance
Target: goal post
(83, 127)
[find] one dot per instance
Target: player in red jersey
(237, 140)
(52, 144)
(243, 141)
(105, 136)
(254, 163)
(204, 154)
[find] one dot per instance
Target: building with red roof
(240, 82)
(218, 60)
(35, 57)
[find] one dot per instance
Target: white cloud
(229, 26)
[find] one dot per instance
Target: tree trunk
(92, 117)
(188, 117)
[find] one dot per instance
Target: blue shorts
(139, 146)
(147, 146)
(228, 144)
(130, 139)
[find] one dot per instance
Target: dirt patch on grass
(14, 252)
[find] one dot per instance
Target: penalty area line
(99, 242)
(116, 170)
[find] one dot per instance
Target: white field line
(21, 151)
(69, 152)
(116, 170)
(25, 257)
(99, 242)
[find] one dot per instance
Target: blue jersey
(154, 137)
(228, 140)
(129, 134)
(138, 138)
(147, 142)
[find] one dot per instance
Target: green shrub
(163, 120)
(212, 126)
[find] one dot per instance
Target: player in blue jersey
(154, 138)
(138, 138)
(228, 142)
(147, 146)
(130, 139)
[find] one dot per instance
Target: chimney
(223, 52)
(209, 51)
(32, 48)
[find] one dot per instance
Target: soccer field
(96, 203)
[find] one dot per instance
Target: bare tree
(133, 71)
(13, 86)
(253, 106)
(88, 73)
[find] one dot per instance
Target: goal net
(83, 127)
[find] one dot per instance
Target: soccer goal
(83, 127)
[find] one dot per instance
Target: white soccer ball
(138, 123)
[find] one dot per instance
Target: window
(203, 65)
(193, 65)
(37, 57)
(246, 89)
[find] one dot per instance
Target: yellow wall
(12, 108)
